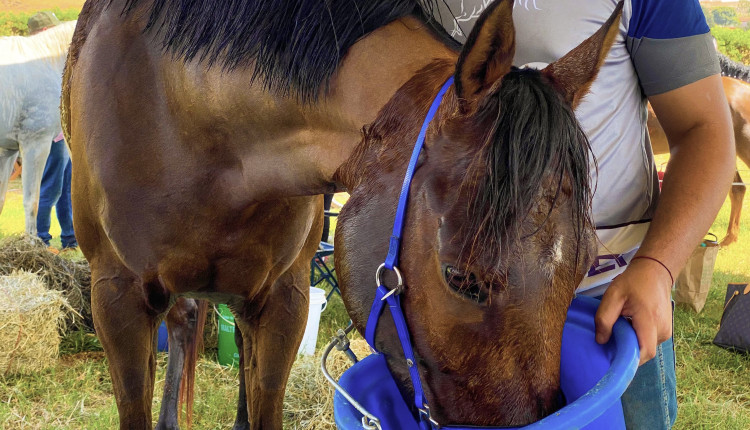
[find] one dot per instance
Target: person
(663, 54)
(55, 192)
(55, 186)
(41, 21)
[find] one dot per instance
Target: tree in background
(733, 42)
(709, 16)
(723, 15)
(743, 7)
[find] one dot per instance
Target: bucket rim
(317, 295)
(579, 413)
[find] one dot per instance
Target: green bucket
(228, 354)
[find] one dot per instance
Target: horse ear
(573, 74)
(488, 52)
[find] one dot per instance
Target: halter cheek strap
(385, 296)
(398, 224)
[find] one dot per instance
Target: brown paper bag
(693, 283)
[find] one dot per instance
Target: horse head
(497, 233)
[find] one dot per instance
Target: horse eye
(466, 284)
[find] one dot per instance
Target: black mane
(294, 46)
(733, 69)
(534, 134)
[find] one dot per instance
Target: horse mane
(534, 136)
(733, 69)
(294, 46)
(50, 44)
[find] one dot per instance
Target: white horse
(30, 81)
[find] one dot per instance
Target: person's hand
(643, 294)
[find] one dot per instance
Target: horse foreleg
(7, 158)
(242, 421)
(126, 329)
(182, 322)
(736, 195)
(270, 342)
(34, 160)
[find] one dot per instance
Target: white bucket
(317, 304)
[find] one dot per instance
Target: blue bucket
(593, 377)
(162, 344)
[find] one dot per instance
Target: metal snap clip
(425, 413)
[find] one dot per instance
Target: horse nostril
(465, 284)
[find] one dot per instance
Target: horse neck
(314, 138)
(371, 85)
(393, 111)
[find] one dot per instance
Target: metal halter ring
(400, 278)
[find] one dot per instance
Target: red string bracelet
(654, 259)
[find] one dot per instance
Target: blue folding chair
(320, 270)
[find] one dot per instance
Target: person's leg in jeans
(51, 188)
(65, 211)
(650, 402)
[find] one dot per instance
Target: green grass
(12, 219)
(77, 393)
(712, 382)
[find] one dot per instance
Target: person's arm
(698, 125)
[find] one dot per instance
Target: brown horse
(738, 96)
(203, 132)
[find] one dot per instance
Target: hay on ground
(308, 402)
(72, 278)
(30, 318)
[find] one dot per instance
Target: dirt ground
(35, 5)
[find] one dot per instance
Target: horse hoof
(167, 425)
(727, 241)
(241, 426)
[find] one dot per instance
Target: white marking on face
(552, 257)
(557, 250)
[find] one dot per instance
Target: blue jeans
(55, 192)
(650, 402)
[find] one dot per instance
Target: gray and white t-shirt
(662, 45)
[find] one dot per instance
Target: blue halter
(391, 297)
